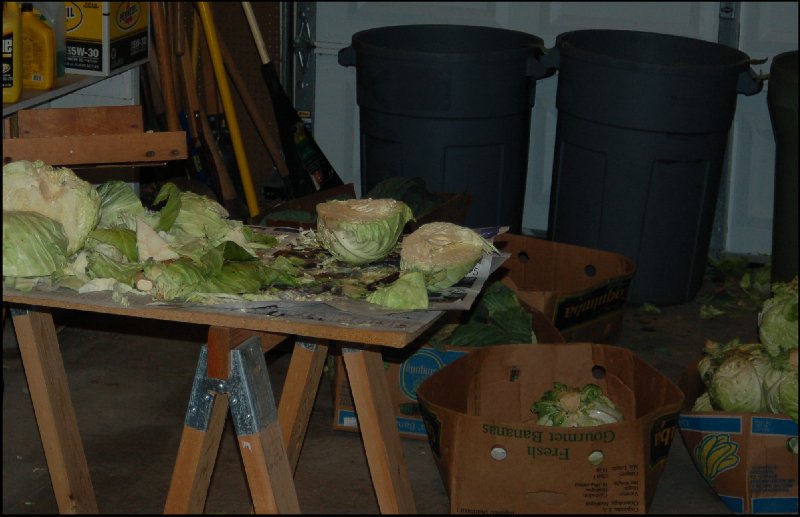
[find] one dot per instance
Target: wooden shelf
(65, 85)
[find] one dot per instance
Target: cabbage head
(781, 390)
(33, 244)
(443, 252)
(777, 320)
(564, 406)
(407, 292)
(55, 192)
(736, 385)
(360, 231)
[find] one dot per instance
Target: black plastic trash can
(450, 104)
(643, 121)
(782, 101)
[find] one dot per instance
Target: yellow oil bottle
(38, 51)
(12, 53)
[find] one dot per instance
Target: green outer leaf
(101, 266)
(119, 205)
(122, 239)
(234, 277)
(407, 292)
(169, 213)
(479, 334)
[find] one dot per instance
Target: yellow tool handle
(227, 104)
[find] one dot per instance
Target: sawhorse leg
(299, 393)
(55, 415)
(378, 426)
(237, 380)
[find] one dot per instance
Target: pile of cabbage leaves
(60, 231)
(756, 377)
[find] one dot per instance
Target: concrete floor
(130, 387)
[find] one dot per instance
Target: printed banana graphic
(715, 454)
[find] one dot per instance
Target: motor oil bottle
(12, 53)
(38, 51)
(54, 13)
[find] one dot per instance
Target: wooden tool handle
(256, 32)
(165, 68)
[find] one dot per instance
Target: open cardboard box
(582, 290)
(743, 456)
(494, 458)
(406, 369)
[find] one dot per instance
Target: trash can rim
(361, 46)
(579, 52)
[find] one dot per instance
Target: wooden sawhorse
(269, 475)
(232, 374)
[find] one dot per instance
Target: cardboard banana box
(494, 458)
(745, 457)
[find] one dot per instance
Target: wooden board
(97, 136)
(79, 121)
(133, 149)
(386, 331)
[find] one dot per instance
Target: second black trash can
(643, 121)
(782, 101)
(450, 104)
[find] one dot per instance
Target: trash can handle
(542, 63)
(750, 82)
(347, 56)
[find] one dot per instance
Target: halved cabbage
(443, 252)
(359, 231)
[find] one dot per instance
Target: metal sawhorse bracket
(247, 392)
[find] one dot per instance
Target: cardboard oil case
(582, 290)
(494, 458)
(105, 37)
(406, 369)
(743, 456)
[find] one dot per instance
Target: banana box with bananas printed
(749, 459)
(494, 456)
(106, 37)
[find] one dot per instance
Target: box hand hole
(498, 452)
(596, 457)
(598, 372)
(589, 270)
